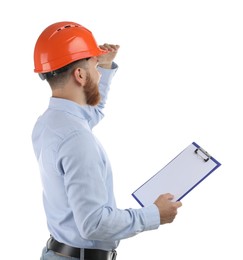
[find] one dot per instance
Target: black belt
(89, 254)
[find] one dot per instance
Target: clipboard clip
(203, 154)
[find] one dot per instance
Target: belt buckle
(113, 255)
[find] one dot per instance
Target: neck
(78, 98)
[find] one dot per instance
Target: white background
(179, 80)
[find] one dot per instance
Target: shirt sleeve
(90, 195)
(95, 112)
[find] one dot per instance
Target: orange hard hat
(63, 43)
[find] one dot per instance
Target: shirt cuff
(151, 216)
(108, 74)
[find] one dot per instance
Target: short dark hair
(57, 77)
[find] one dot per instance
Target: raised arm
(107, 67)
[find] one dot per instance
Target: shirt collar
(71, 107)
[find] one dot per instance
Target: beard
(91, 91)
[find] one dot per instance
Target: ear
(80, 76)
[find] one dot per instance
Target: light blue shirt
(76, 176)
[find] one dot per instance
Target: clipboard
(180, 176)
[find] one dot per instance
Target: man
(78, 198)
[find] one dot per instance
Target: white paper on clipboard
(179, 176)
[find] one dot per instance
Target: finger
(115, 47)
(169, 196)
(178, 204)
(111, 47)
(103, 47)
